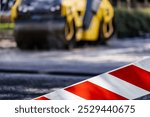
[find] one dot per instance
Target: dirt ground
(7, 39)
(7, 43)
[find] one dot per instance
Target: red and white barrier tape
(126, 83)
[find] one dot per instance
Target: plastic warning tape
(126, 83)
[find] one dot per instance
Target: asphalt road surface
(28, 74)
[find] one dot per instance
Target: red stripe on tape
(41, 98)
(134, 75)
(90, 91)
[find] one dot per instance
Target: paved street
(27, 74)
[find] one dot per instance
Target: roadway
(27, 74)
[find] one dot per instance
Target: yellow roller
(83, 21)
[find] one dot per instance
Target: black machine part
(92, 7)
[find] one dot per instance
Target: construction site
(47, 45)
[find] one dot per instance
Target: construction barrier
(126, 83)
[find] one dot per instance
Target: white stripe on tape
(118, 86)
(62, 95)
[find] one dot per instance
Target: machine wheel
(23, 42)
(56, 40)
(70, 34)
(44, 41)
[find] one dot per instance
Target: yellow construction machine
(83, 20)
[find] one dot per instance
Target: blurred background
(30, 68)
